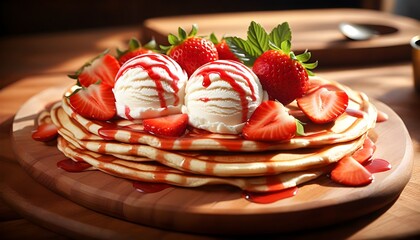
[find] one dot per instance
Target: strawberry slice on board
(103, 67)
(45, 132)
(96, 101)
(270, 122)
(169, 126)
(135, 48)
(322, 105)
(365, 152)
(350, 172)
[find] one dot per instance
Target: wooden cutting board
(216, 210)
(315, 30)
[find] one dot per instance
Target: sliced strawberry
(323, 105)
(170, 126)
(45, 132)
(95, 102)
(365, 153)
(270, 122)
(102, 68)
(351, 173)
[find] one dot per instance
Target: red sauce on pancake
(73, 166)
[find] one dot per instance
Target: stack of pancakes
(121, 148)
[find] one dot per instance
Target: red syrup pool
(377, 165)
(146, 187)
(381, 117)
(73, 166)
(255, 197)
(269, 197)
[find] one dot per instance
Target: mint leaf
(242, 50)
(258, 37)
(280, 34)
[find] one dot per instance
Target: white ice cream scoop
(149, 85)
(220, 96)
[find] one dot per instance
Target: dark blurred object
(409, 8)
(28, 17)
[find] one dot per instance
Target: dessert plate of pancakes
(214, 183)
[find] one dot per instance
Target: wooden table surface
(34, 63)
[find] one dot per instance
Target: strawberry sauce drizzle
(233, 83)
(355, 113)
(156, 76)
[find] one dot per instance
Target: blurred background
(31, 17)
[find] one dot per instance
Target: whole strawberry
(223, 49)
(190, 51)
(135, 48)
(281, 73)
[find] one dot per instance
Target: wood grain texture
(222, 209)
(315, 30)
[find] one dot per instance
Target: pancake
(156, 173)
(121, 148)
(213, 163)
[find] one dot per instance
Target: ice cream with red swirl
(150, 85)
(221, 96)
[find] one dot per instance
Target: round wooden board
(215, 210)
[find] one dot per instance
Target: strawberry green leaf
(242, 50)
(280, 34)
(304, 56)
(133, 44)
(286, 46)
(300, 130)
(310, 73)
(310, 65)
(172, 39)
(273, 46)
(213, 38)
(193, 31)
(258, 37)
(182, 34)
(152, 45)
